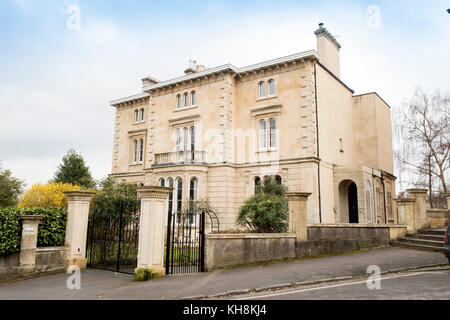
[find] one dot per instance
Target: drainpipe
(317, 133)
(384, 198)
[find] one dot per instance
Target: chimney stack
(328, 49)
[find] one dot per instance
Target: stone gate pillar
(28, 244)
(405, 212)
(152, 228)
(420, 209)
(298, 214)
(447, 195)
(77, 225)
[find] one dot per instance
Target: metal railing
(180, 157)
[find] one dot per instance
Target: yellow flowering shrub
(47, 195)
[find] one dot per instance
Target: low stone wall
(438, 218)
(51, 259)
(237, 249)
(338, 238)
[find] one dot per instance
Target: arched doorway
(348, 202)
(353, 203)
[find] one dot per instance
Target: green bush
(264, 213)
(51, 233)
(267, 211)
(113, 198)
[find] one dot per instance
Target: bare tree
(426, 121)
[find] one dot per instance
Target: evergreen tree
(10, 189)
(73, 170)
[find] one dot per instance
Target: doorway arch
(348, 201)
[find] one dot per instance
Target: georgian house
(216, 133)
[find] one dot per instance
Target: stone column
(28, 244)
(77, 225)
(298, 215)
(420, 209)
(405, 211)
(447, 195)
(152, 228)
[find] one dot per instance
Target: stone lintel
(417, 191)
(154, 192)
(299, 196)
(80, 195)
(404, 200)
(31, 218)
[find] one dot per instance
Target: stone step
(439, 232)
(433, 237)
(426, 242)
(416, 246)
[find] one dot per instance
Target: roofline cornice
(221, 69)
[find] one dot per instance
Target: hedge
(51, 233)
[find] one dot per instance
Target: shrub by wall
(51, 233)
(47, 195)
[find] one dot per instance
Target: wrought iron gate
(185, 243)
(113, 241)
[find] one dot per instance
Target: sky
(62, 61)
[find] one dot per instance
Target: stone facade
(319, 137)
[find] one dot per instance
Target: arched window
(257, 184)
(271, 85)
(262, 135)
(186, 100)
(193, 98)
(279, 180)
(142, 114)
(135, 151)
(272, 133)
(192, 143)
(193, 191)
(262, 89)
(141, 150)
(170, 185)
(178, 141)
(179, 101)
(136, 115)
(162, 182)
(369, 201)
(179, 197)
(185, 139)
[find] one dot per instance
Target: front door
(353, 203)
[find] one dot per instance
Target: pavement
(424, 284)
(106, 285)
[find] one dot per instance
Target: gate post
(298, 214)
(152, 229)
(77, 225)
(420, 210)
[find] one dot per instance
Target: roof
(226, 67)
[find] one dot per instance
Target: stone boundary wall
(238, 249)
(339, 238)
(49, 259)
(438, 218)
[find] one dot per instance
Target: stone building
(215, 133)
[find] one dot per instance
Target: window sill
(266, 98)
(138, 123)
(185, 109)
(267, 151)
(136, 164)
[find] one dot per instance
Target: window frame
(262, 134)
(271, 85)
(262, 89)
(135, 151)
(178, 101)
(186, 99)
(193, 98)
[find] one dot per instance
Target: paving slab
(106, 285)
